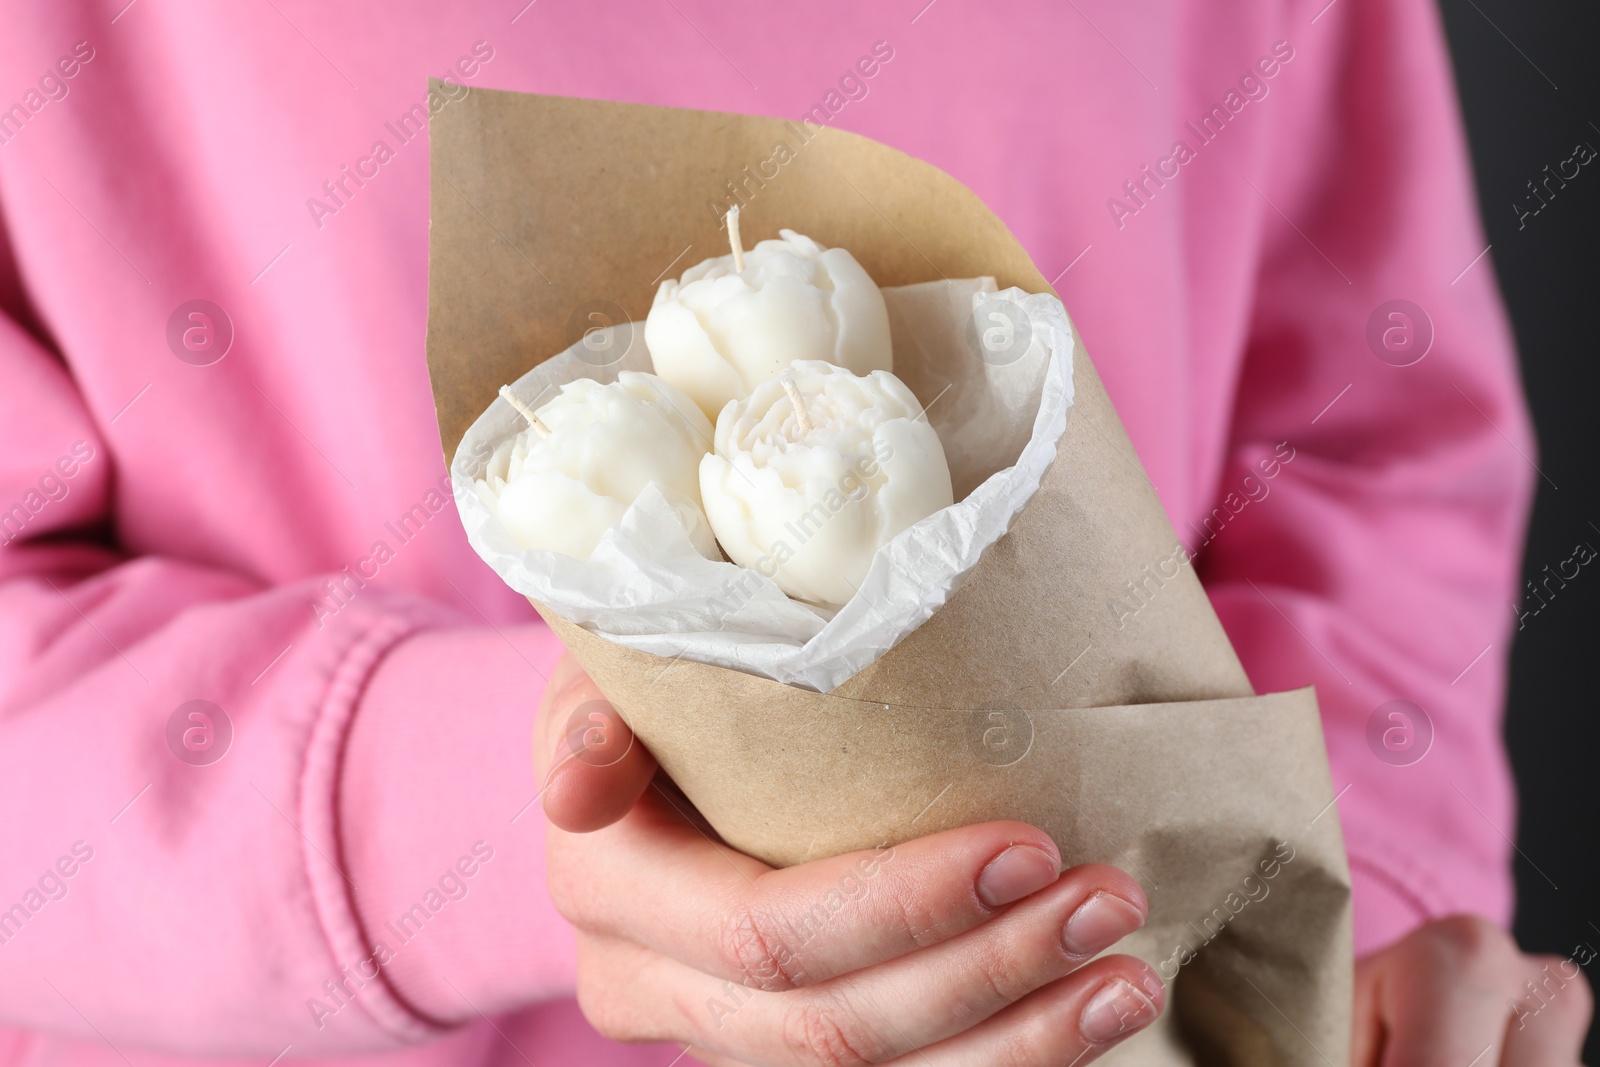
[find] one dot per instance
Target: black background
(1528, 72)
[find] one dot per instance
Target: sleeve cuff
(440, 837)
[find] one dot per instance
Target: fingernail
(1015, 873)
(1116, 1010)
(1100, 922)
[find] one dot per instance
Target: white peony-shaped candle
(733, 321)
(817, 469)
(560, 484)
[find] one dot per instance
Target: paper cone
(1078, 681)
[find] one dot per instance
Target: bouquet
(1038, 650)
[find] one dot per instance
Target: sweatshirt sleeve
(1381, 463)
(206, 878)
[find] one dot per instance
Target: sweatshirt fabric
(227, 525)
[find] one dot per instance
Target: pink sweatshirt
(1225, 193)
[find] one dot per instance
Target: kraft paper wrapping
(1131, 738)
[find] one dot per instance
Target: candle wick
(787, 381)
(533, 420)
(733, 238)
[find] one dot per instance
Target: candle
(733, 321)
(587, 454)
(817, 469)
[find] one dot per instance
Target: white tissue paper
(993, 371)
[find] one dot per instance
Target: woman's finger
(1445, 998)
(629, 993)
(1549, 1023)
(1072, 1021)
(592, 768)
(940, 991)
(928, 996)
(729, 915)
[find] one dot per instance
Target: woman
(218, 488)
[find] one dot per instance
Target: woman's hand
(1454, 992)
(962, 947)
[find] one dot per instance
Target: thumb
(592, 768)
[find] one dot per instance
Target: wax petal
(606, 443)
(716, 332)
(810, 506)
